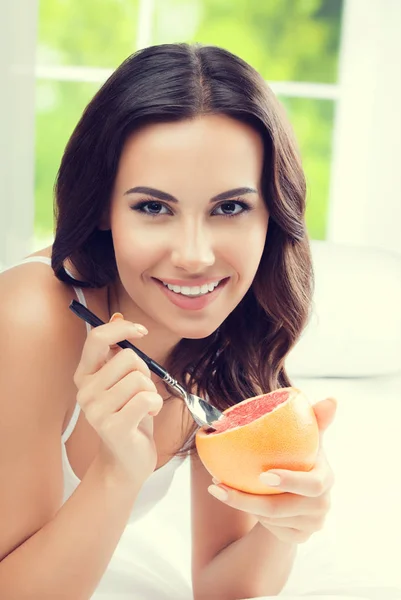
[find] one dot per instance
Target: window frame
(370, 46)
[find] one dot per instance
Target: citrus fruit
(277, 430)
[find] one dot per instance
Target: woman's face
(201, 220)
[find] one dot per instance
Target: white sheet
(330, 597)
(358, 553)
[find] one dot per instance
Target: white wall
(365, 204)
(18, 26)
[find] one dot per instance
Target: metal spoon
(203, 412)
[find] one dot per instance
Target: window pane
(59, 105)
(284, 40)
(84, 32)
(312, 121)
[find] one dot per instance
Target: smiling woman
(180, 220)
(181, 179)
(192, 241)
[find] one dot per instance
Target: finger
(129, 387)
(303, 522)
(124, 362)
(139, 407)
(325, 412)
(114, 348)
(110, 401)
(304, 483)
(284, 505)
(116, 317)
(99, 341)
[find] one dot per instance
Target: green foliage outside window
(283, 39)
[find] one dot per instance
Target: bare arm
(67, 557)
(256, 564)
(49, 552)
(232, 554)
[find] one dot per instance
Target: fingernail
(141, 328)
(217, 492)
(115, 316)
(216, 481)
(270, 478)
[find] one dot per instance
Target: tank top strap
(71, 425)
(81, 297)
(77, 409)
(43, 259)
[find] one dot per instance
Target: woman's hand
(295, 515)
(119, 399)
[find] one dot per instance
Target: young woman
(180, 221)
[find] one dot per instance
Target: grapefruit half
(272, 431)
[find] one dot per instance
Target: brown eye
(230, 207)
(154, 209)
(153, 206)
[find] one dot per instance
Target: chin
(195, 333)
(197, 336)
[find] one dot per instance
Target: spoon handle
(87, 315)
(209, 413)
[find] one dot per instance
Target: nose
(192, 249)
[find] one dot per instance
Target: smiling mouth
(199, 295)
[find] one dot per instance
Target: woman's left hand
(295, 515)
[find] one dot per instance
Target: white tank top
(154, 488)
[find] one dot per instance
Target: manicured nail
(141, 328)
(115, 316)
(270, 478)
(217, 493)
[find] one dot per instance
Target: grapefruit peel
(277, 430)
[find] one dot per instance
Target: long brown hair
(245, 356)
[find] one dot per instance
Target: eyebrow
(168, 197)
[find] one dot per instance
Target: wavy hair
(245, 356)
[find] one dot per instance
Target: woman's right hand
(119, 400)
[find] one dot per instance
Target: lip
(189, 282)
(188, 302)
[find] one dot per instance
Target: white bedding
(358, 553)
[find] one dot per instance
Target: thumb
(114, 348)
(325, 411)
(115, 317)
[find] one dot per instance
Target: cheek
(130, 258)
(132, 244)
(247, 249)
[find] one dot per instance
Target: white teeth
(193, 291)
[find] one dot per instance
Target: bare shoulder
(34, 314)
(40, 344)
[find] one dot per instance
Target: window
(295, 46)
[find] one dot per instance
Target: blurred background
(334, 64)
